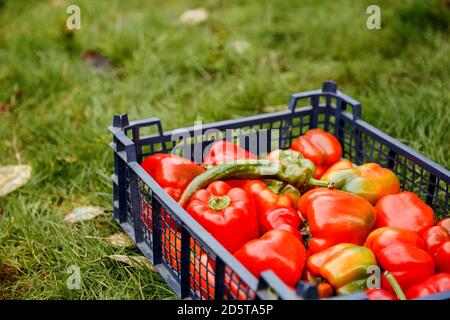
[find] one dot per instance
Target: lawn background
(55, 109)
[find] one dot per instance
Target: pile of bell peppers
(307, 214)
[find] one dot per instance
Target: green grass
(60, 108)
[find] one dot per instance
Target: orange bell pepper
(340, 165)
(370, 181)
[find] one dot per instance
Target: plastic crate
(190, 260)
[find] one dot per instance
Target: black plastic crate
(190, 260)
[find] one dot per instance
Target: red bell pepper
(336, 216)
(387, 236)
(281, 218)
(437, 283)
(276, 250)
(442, 257)
(227, 213)
(445, 223)
(380, 294)
(320, 147)
(264, 198)
(408, 264)
(434, 237)
(404, 210)
(171, 172)
(223, 151)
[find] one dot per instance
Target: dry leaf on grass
(132, 261)
(119, 239)
(13, 177)
(83, 214)
(194, 16)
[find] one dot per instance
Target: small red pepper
(434, 237)
(171, 172)
(264, 198)
(383, 237)
(282, 218)
(320, 147)
(445, 223)
(276, 250)
(336, 216)
(442, 257)
(404, 210)
(408, 264)
(223, 151)
(380, 294)
(437, 283)
(227, 213)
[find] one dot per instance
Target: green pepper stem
(320, 183)
(395, 285)
(219, 203)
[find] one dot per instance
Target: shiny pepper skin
(320, 147)
(370, 181)
(404, 210)
(336, 216)
(437, 283)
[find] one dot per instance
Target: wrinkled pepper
(344, 266)
(334, 217)
(434, 237)
(370, 181)
(227, 213)
(319, 146)
(387, 236)
(277, 250)
(437, 283)
(408, 264)
(442, 257)
(284, 165)
(404, 210)
(223, 151)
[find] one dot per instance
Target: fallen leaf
(274, 108)
(5, 107)
(119, 239)
(83, 214)
(13, 177)
(194, 16)
(240, 46)
(132, 261)
(96, 60)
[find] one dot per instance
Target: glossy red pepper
(387, 236)
(404, 210)
(380, 294)
(445, 223)
(277, 250)
(281, 218)
(437, 283)
(171, 172)
(408, 264)
(320, 147)
(336, 216)
(434, 237)
(264, 198)
(227, 213)
(442, 257)
(223, 151)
